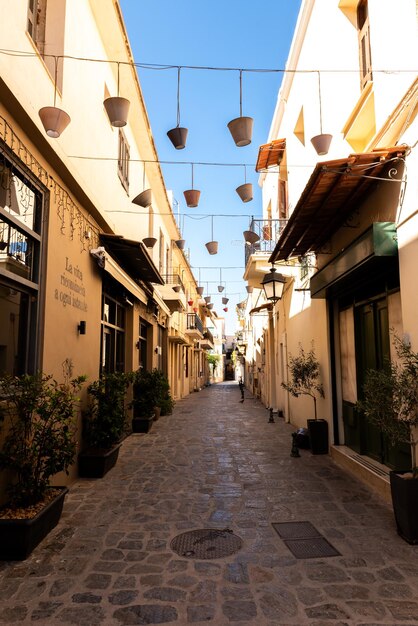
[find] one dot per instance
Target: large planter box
(96, 463)
(142, 424)
(318, 436)
(19, 537)
(405, 505)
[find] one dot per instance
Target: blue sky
(228, 34)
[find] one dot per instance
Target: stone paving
(215, 463)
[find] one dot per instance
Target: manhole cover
(207, 543)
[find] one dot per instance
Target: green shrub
(104, 421)
(38, 415)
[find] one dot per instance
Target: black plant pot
(19, 537)
(96, 462)
(142, 424)
(318, 436)
(405, 505)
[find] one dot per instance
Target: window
(123, 161)
(363, 28)
(21, 205)
(161, 253)
(113, 335)
(144, 329)
(46, 26)
(282, 199)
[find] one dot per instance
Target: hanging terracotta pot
(321, 143)
(212, 247)
(176, 288)
(149, 242)
(192, 197)
(210, 307)
(195, 309)
(54, 120)
(241, 129)
(226, 309)
(178, 137)
(200, 290)
(225, 300)
(207, 299)
(143, 199)
(250, 236)
(117, 109)
(180, 243)
(245, 192)
(249, 289)
(221, 288)
(190, 302)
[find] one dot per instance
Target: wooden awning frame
(331, 195)
(270, 155)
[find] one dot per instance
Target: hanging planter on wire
(192, 195)
(144, 198)
(54, 120)
(225, 300)
(212, 246)
(245, 191)
(321, 142)
(178, 135)
(117, 108)
(241, 128)
(220, 286)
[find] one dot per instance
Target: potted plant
(144, 401)
(390, 402)
(103, 424)
(151, 395)
(38, 422)
(304, 379)
(164, 402)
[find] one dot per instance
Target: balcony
(194, 327)
(207, 341)
(258, 253)
(172, 292)
(269, 232)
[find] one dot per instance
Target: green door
(372, 352)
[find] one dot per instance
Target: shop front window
(21, 204)
(113, 335)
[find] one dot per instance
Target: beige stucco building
(341, 226)
(87, 277)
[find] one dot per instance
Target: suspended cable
(170, 66)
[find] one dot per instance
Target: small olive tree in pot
(38, 422)
(390, 402)
(304, 380)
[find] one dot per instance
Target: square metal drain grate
(304, 540)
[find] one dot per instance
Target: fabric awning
(270, 155)
(114, 269)
(133, 257)
(333, 191)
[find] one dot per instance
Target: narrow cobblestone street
(215, 463)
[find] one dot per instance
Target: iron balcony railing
(208, 335)
(269, 232)
(173, 280)
(194, 322)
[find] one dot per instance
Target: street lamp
(273, 285)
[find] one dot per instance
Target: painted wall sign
(71, 291)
